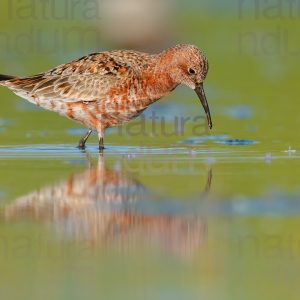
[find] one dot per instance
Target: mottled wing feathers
(86, 79)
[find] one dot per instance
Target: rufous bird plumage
(106, 89)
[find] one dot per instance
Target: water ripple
(237, 142)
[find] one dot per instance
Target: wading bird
(106, 89)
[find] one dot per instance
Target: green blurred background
(138, 224)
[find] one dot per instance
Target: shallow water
(174, 220)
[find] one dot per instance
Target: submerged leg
(83, 140)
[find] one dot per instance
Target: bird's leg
(83, 140)
(101, 143)
(101, 138)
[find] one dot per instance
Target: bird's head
(189, 66)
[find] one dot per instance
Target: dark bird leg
(83, 140)
(100, 131)
(101, 144)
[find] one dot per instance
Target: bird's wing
(86, 79)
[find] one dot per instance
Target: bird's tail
(6, 77)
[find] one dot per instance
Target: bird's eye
(192, 71)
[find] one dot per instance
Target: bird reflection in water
(99, 206)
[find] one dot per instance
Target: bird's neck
(158, 81)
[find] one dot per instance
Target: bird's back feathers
(86, 79)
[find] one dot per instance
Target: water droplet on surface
(290, 150)
(268, 157)
(192, 152)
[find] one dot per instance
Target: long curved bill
(201, 94)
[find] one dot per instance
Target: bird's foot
(81, 146)
(82, 141)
